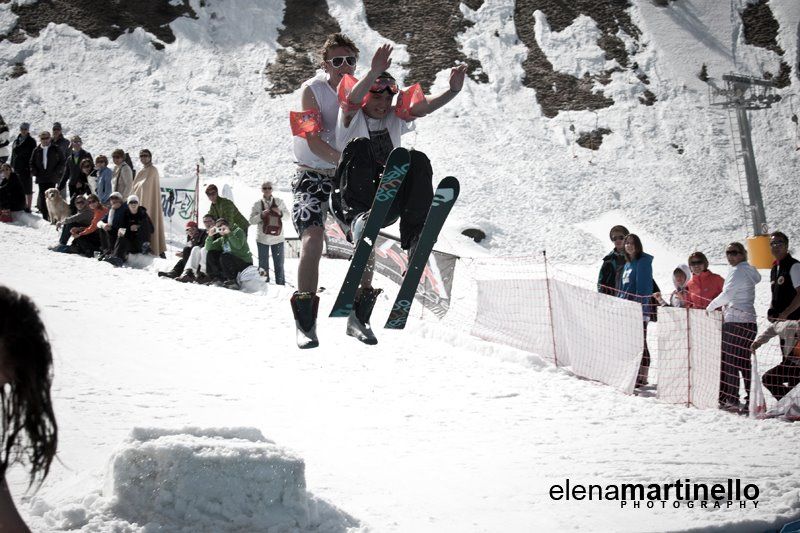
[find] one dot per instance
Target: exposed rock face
(432, 45)
(100, 18)
(556, 91)
(306, 24)
(592, 139)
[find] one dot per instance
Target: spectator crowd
(627, 272)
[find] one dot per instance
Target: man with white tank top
(314, 132)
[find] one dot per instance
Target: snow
(432, 430)
(574, 50)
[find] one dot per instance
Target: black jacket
(608, 281)
(783, 291)
(140, 219)
(72, 172)
(55, 165)
(12, 195)
(21, 152)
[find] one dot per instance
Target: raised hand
(457, 77)
(382, 59)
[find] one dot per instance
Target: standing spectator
(24, 145)
(5, 151)
(147, 186)
(704, 285)
(81, 219)
(784, 280)
(316, 155)
(781, 379)
(73, 169)
(79, 185)
(108, 227)
(266, 242)
(235, 254)
(738, 324)
(609, 279)
(680, 276)
(87, 240)
(195, 238)
(103, 176)
(223, 208)
(12, 195)
(59, 141)
(47, 166)
(637, 285)
(122, 176)
(29, 430)
(133, 234)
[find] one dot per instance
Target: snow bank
(193, 479)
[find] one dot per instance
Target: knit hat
(116, 195)
(133, 198)
(25, 126)
(191, 224)
(56, 125)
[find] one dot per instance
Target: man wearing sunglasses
(608, 280)
(784, 279)
(369, 127)
(316, 158)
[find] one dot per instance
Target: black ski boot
(304, 307)
(358, 321)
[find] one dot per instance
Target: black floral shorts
(312, 192)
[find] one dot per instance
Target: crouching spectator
(266, 215)
(234, 253)
(12, 193)
(195, 238)
(81, 219)
(781, 379)
(110, 224)
(196, 269)
(133, 235)
(86, 241)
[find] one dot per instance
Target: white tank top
(329, 106)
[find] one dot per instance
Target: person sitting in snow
(29, 431)
(195, 238)
(81, 219)
(86, 241)
(196, 270)
(133, 235)
(12, 193)
(235, 254)
(109, 225)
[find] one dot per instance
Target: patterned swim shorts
(312, 192)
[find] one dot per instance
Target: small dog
(56, 206)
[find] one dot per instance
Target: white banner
(178, 204)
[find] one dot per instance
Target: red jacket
(97, 216)
(703, 288)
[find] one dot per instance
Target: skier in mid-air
(368, 128)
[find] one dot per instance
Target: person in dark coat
(21, 152)
(12, 195)
(194, 237)
(5, 149)
(73, 169)
(610, 277)
(81, 219)
(133, 236)
(47, 166)
(59, 140)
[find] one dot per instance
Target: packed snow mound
(193, 479)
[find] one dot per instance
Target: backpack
(271, 222)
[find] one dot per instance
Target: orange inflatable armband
(406, 99)
(305, 122)
(343, 93)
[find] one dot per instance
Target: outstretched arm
(431, 104)
(317, 146)
(381, 62)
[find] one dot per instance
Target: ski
(397, 165)
(443, 199)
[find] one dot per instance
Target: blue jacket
(104, 184)
(637, 280)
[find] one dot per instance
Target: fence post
(550, 308)
(688, 359)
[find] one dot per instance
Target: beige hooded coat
(147, 186)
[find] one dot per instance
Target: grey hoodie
(738, 293)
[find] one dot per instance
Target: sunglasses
(777, 244)
(338, 61)
(384, 84)
(732, 252)
(697, 263)
(266, 188)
